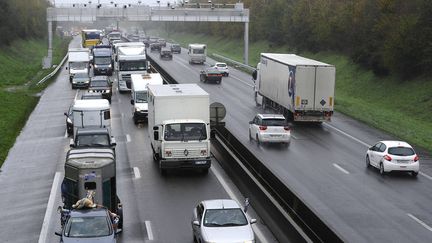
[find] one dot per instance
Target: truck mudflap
(302, 116)
(197, 163)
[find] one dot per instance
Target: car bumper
(98, 71)
(140, 115)
(80, 85)
(197, 163)
(389, 166)
(275, 138)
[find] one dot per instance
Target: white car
(221, 220)
(390, 156)
(222, 67)
(270, 128)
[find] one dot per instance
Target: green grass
(20, 69)
(400, 107)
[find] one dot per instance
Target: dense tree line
(22, 19)
(385, 35)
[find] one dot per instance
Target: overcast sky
(60, 3)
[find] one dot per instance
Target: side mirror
(253, 221)
(196, 223)
(155, 128)
(132, 102)
(71, 143)
(113, 142)
(65, 114)
(66, 68)
(251, 122)
(254, 74)
(156, 135)
(59, 209)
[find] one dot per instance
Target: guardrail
(289, 218)
(234, 63)
(53, 72)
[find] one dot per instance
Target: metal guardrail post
(53, 72)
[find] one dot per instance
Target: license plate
(200, 162)
(403, 166)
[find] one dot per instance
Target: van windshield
(141, 97)
(78, 65)
(198, 51)
(185, 131)
(93, 140)
(102, 60)
(132, 65)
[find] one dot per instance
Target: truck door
(303, 84)
(324, 88)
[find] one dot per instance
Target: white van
(139, 90)
(197, 53)
(91, 113)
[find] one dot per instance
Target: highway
(156, 209)
(325, 166)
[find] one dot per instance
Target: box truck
(300, 88)
(179, 126)
(78, 61)
(91, 113)
(139, 90)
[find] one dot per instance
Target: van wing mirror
(156, 135)
(113, 141)
(132, 102)
(71, 143)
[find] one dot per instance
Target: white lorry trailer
(197, 53)
(91, 113)
(78, 61)
(300, 88)
(179, 126)
(130, 59)
(139, 91)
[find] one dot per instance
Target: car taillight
(388, 158)
(416, 158)
(286, 128)
(262, 128)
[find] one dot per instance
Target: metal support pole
(246, 44)
(48, 59)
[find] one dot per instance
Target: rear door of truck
(324, 88)
(304, 85)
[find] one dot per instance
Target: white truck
(301, 88)
(78, 61)
(130, 59)
(197, 53)
(91, 114)
(179, 126)
(139, 91)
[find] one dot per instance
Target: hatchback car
(176, 48)
(270, 128)
(80, 80)
(390, 156)
(101, 84)
(221, 220)
(222, 67)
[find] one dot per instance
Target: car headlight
(87, 81)
(68, 120)
(109, 66)
(137, 109)
(107, 91)
(95, 66)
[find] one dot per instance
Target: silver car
(270, 128)
(221, 220)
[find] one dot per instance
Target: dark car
(176, 48)
(80, 80)
(88, 225)
(101, 84)
(166, 53)
(93, 137)
(211, 75)
(69, 120)
(155, 47)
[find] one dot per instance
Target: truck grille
(191, 153)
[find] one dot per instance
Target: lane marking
(420, 222)
(50, 206)
(293, 136)
(425, 175)
(340, 168)
(128, 138)
(149, 230)
(137, 172)
(76, 95)
(234, 77)
(257, 231)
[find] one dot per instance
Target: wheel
(155, 157)
(219, 81)
(257, 139)
(367, 161)
(250, 135)
(204, 171)
(414, 173)
(194, 239)
(135, 121)
(381, 169)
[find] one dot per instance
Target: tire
(135, 121)
(226, 74)
(367, 161)
(204, 171)
(414, 174)
(381, 169)
(257, 139)
(250, 135)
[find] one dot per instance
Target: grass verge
(20, 69)
(402, 108)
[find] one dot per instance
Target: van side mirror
(156, 135)
(65, 114)
(113, 141)
(196, 223)
(71, 143)
(132, 102)
(58, 233)
(66, 68)
(255, 74)
(253, 221)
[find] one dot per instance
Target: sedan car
(88, 225)
(101, 84)
(80, 80)
(211, 75)
(390, 156)
(166, 53)
(176, 48)
(222, 67)
(270, 128)
(221, 220)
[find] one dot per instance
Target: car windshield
(81, 75)
(141, 97)
(92, 36)
(401, 151)
(78, 65)
(221, 65)
(132, 65)
(92, 140)
(224, 217)
(185, 131)
(81, 227)
(198, 51)
(99, 83)
(102, 60)
(274, 122)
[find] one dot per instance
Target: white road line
(128, 138)
(137, 173)
(425, 175)
(346, 134)
(241, 81)
(420, 222)
(50, 206)
(293, 136)
(76, 94)
(257, 231)
(340, 168)
(149, 230)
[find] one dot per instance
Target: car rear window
(401, 151)
(221, 65)
(274, 122)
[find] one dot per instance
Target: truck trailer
(179, 126)
(301, 89)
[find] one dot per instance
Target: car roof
(89, 212)
(395, 143)
(271, 116)
(220, 63)
(220, 204)
(93, 130)
(99, 78)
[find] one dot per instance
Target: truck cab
(91, 113)
(102, 61)
(197, 53)
(130, 59)
(139, 94)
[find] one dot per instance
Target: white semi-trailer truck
(179, 126)
(300, 88)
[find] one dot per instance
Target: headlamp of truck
(137, 109)
(168, 153)
(95, 66)
(107, 91)
(203, 152)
